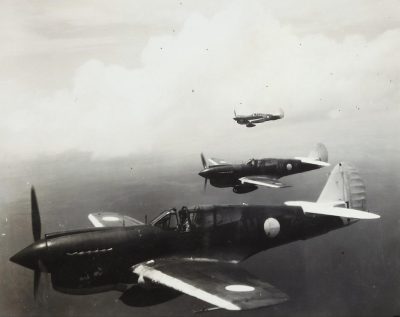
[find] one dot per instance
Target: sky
(163, 77)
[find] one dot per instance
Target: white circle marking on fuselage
(271, 227)
(239, 288)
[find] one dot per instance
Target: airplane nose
(29, 257)
(205, 173)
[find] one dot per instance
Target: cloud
(181, 97)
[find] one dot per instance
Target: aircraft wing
(263, 181)
(224, 285)
(112, 219)
(216, 161)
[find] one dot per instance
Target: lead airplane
(251, 120)
(194, 251)
(266, 172)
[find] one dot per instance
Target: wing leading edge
(221, 284)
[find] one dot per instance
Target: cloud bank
(182, 95)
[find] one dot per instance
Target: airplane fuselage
(251, 120)
(98, 259)
(229, 175)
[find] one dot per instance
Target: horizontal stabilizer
(279, 113)
(329, 209)
(312, 161)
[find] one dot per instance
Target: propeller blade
(36, 281)
(40, 286)
(203, 160)
(205, 184)
(35, 214)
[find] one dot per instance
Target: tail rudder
(345, 185)
(319, 153)
(343, 196)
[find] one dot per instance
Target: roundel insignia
(271, 227)
(289, 166)
(239, 288)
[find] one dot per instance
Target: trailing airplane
(246, 177)
(251, 120)
(194, 251)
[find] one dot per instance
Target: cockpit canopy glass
(252, 162)
(186, 220)
(167, 220)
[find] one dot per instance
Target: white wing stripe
(250, 181)
(162, 278)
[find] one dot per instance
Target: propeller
(36, 281)
(37, 232)
(203, 160)
(35, 214)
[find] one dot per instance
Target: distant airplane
(244, 178)
(194, 251)
(251, 120)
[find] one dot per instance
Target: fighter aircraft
(251, 120)
(244, 178)
(194, 251)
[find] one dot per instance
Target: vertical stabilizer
(319, 153)
(280, 113)
(344, 184)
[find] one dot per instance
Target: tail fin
(280, 113)
(343, 196)
(318, 156)
(319, 153)
(345, 184)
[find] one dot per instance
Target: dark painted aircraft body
(251, 120)
(247, 177)
(193, 250)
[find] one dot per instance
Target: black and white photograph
(199, 158)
